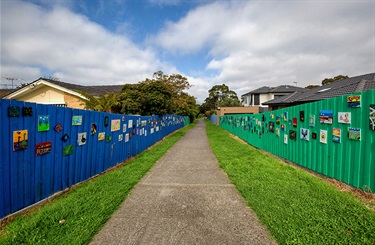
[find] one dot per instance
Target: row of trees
(160, 95)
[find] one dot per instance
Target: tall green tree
(326, 81)
(105, 102)
(221, 96)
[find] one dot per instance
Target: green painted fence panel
(350, 160)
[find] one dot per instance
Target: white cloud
(253, 43)
(69, 46)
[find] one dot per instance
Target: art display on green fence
(372, 117)
(354, 101)
(326, 116)
(323, 136)
(336, 135)
(344, 117)
(354, 133)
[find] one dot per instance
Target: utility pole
(12, 79)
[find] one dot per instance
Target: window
(256, 99)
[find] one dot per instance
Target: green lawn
(75, 217)
(295, 206)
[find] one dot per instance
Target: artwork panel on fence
(27, 111)
(82, 139)
(292, 134)
(372, 117)
(323, 136)
(115, 125)
(124, 128)
(302, 116)
(285, 139)
(126, 137)
(305, 134)
(354, 133)
(77, 120)
(20, 140)
(58, 128)
(353, 101)
(68, 150)
(43, 148)
(101, 136)
(336, 135)
(106, 121)
(344, 117)
(14, 111)
(312, 120)
(326, 116)
(43, 123)
(120, 137)
(93, 129)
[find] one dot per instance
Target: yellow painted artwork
(20, 140)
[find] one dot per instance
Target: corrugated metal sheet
(349, 161)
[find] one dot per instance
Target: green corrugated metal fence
(351, 160)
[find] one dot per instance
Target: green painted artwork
(43, 123)
(68, 150)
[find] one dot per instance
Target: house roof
(5, 92)
(278, 89)
(334, 89)
(69, 88)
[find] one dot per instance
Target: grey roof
(93, 90)
(337, 88)
(278, 89)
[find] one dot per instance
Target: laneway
(185, 199)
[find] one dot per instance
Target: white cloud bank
(39, 41)
(254, 43)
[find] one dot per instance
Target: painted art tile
(101, 136)
(285, 116)
(108, 138)
(271, 127)
(58, 128)
(326, 116)
(312, 120)
(126, 137)
(120, 137)
(294, 122)
(277, 119)
(82, 138)
(354, 133)
(372, 117)
(115, 125)
(65, 137)
(336, 135)
(302, 116)
(77, 120)
(344, 117)
(43, 123)
(124, 126)
(277, 132)
(68, 150)
(285, 139)
(106, 121)
(313, 135)
(20, 140)
(305, 134)
(14, 111)
(282, 127)
(93, 129)
(27, 111)
(43, 148)
(130, 124)
(323, 136)
(292, 134)
(353, 101)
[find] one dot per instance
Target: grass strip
(295, 206)
(74, 218)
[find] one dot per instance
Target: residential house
(258, 96)
(334, 89)
(52, 92)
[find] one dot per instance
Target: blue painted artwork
(326, 116)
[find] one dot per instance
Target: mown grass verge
(295, 206)
(74, 218)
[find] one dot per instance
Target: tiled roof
(337, 88)
(278, 89)
(93, 90)
(5, 92)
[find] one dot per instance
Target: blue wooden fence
(26, 176)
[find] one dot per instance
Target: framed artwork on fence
(14, 111)
(77, 120)
(326, 116)
(58, 128)
(302, 116)
(20, 140)
(353, 101)
(372, 117)
(312, 120)
(323, 136)
(101, 136)
(43, 148)
(294, 122)
(115, 125)
(354, 134)
(82, 139)
(336, 135)
(43, 123)
(93, 129)
(344, 117)
(305, 134)
(285, 139)
(27, 111)
(292, 135)
(68, 150)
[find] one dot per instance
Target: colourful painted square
(344, 117)
(115, 125)
(326, 116)
(336, 135)
(312, 120)
(68, 150)
(101, 136)
(354, 101)
(43, 123)
(20, 140)
(305, 134)
(323, 136)
(43, 148)
(354, 133)
(76, 120)
(372, 117)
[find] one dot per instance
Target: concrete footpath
(185, 199)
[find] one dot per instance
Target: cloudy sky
(244, 44)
